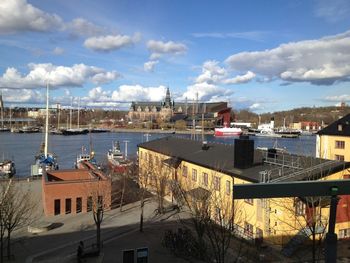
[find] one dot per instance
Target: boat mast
(70, 113)
(78, 110)
(2, 111)
(47, 119)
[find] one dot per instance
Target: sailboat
(45, 161)
(78, 130)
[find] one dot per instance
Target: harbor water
(22, 148)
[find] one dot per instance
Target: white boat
(268, 133)
(7, 169)
(226, 131)
(45, 161)
(116, 160)
(85, 157)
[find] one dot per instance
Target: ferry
(226, 131)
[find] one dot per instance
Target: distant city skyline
(256, 55)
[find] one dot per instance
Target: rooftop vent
(243, 152)
(205, 145)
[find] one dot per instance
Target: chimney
(243, 152)
(205, 145)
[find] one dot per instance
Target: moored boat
(85, 157)
(7, 169)
(29, 129)
(116, 160)
(226, 131)
(77, 131)
(45, 161)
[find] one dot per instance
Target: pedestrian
(80, 251)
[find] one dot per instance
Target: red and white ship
(116, 159)
(226, 131)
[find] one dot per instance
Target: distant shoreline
(118, 130)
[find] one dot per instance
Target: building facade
(333, 142)
(165, 110)
(74, 191)
(215, 168)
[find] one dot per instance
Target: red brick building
(74, 191)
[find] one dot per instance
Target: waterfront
(23, 147)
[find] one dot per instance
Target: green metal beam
(291, 189)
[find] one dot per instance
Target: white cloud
(334, 11)
(255, 106)
(23, 96)
(83, 27)
(338, 98)
(58, 51)
(110, 42)
(248, 35)
(322, 61)
(159, 48)
(139, 93)
(207, 92)
(212, 73)
(105, 77)
(74, 76)
(149, 65)
(18, 15)
(240, 78)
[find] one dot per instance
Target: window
(344, 233)
(249, 201)
(300, 208)
(228, 187)
(248, 229)
(259, 233)
(57, 207)
(194, 175)
(339, 157)
(205, 179)
(68, 206)
(340, 144)
(141, 155)
(89, 204)
(184, 171)
(79, 204)
(216, 181)
(340, 127)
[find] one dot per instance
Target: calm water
(22, 147)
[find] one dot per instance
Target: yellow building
(211, 170)
(333, 142)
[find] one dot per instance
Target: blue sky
(260, 55)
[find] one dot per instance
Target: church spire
(167, 98)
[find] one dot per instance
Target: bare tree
(99, 201)
(4, 188)
(18, 211)
(213, 214)
(145, 172)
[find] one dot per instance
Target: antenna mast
(47, 119)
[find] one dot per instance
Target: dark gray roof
(333, 128)
(220, 157)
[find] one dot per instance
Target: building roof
(220, 157)
(340, 127)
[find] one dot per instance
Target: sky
(263, 56)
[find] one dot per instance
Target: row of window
(205, 180)
(78, 205)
